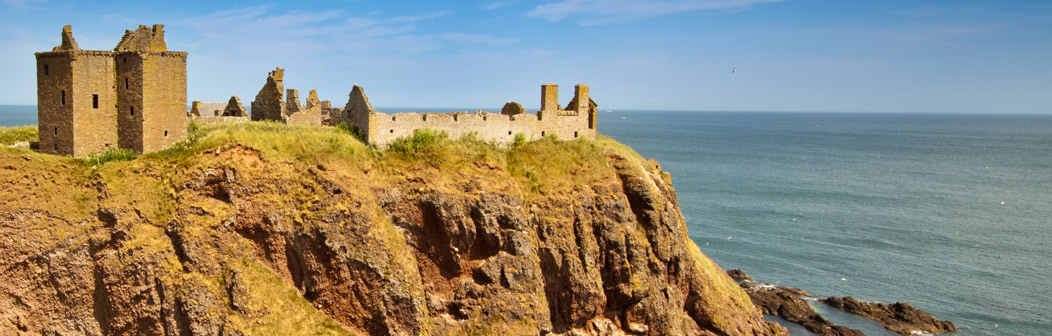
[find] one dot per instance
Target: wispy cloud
(23, 4)
(489, 5)
(597, 12)
(427, 16)
(257, 28)
(476, 39)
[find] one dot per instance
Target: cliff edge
(260, 229)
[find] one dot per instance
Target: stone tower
(133, 97)
(76, 102)
(151, 91)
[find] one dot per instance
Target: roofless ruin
(134, 97)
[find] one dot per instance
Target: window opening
(575, 134)
(133, 110)
(165, 133)
(542, 133)
(95, 101)
(45, 69)
(56, 130)
(125, 83)
(63, 97)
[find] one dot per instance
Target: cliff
(262, 229)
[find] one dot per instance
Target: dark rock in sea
(738, 275)
(784, 303)
(898, 317)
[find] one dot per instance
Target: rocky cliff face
(246, 232)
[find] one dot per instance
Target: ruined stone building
(269, 104)
(133, 97)
(577, 120)
(231, 111)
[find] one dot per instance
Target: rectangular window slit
(95, 101)
(63, 97)
(133, 110)
(575, 134)
(509, 132)
(125, 83)
(45, 69)
(56, 130)
(165, 133)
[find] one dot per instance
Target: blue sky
(792, 55)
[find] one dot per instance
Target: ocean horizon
(948, 212)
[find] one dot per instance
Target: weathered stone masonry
(577, 120)
(133, 97)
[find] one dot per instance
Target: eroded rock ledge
(901, 318)
(786, 302)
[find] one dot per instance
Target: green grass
(12, 135)
(275, 141)
(108, 155)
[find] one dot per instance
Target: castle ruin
(133, 97)
(231, 111)
(270, 106)
(577, 120)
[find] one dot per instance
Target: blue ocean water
(18, 115)
(951, 213)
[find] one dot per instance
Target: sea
(951, 213)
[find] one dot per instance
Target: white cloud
(476, 39)
(23, 4)
(596, 12)
(497, 4)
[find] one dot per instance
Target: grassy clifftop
(263, 228)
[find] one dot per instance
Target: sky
(710, 55)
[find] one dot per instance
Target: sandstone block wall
(55, 116)
(382, 128)
(164, 100)
(76, 102)
(234, 108)
(95, 108)
(130, 101)
(269, 104)
(205, 109)
(219, 119)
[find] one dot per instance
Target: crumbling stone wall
(292, 101)
(269, 104)
(382, 128)
(234, 108)
(231, 111)
(204, 109)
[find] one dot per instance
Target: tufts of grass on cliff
(12, 135)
